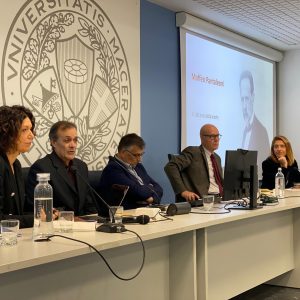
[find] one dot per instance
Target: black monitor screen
(240, 175)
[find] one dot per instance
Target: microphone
(110, 227)
(142, 219)
(122, 188)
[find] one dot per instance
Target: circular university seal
(66, 62)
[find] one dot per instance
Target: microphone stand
(109, 227)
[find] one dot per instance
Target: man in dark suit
(255, 136)
(70, 192)
(192, 173)
(126, 169)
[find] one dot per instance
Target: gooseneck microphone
(110, 227)
(123, 188)
(142, 219)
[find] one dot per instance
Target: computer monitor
(240, 177)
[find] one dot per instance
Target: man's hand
(189, 196)
(150, 200)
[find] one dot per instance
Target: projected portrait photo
(255, 136)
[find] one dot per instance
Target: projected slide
(231, 90)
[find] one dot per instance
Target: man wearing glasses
(197, 170)
(126, 169)
(70, 192)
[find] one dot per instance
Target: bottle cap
(42, 176)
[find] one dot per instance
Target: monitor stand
(253, 192)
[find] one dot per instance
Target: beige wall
(77, 61)
(288, 108)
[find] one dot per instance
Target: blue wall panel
(160, 90)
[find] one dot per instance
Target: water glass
(208, 202)
(9, 232)
(118, 213)
(66, 221)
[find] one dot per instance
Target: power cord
(103, 258)
(267, 200)
(242, 203)
(163, 215)
(227, 210)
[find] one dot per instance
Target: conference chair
(178, 198)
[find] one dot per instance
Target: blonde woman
(281, 157)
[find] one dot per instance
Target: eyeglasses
(136, 155)
(213, 136)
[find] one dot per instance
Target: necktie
(217, 174)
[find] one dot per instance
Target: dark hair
(11, 119)
(247, 75)
(129, 140)
(63, 125)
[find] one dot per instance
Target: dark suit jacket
(188, 171)
(259, 140)
(65, 194)
(12, 193)
(116, 173)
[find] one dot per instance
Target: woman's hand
(283, 161)
(55, 214)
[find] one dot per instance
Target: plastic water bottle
(279, 184)
(43, 206)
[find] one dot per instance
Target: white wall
(288, 108)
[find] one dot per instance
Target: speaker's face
(210, 137)
(66, 144)
(25, 136)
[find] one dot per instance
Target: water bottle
(43, 207)
(279, 184)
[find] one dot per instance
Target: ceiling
(275, 23)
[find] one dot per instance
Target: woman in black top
(281, 157)
(16, 135)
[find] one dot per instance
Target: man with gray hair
(70, 191)
(126, 169)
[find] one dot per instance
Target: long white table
(194, 256)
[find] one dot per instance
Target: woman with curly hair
(281, 157)
(16, 136)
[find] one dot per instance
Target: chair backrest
(171, 155)
(178, 198)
